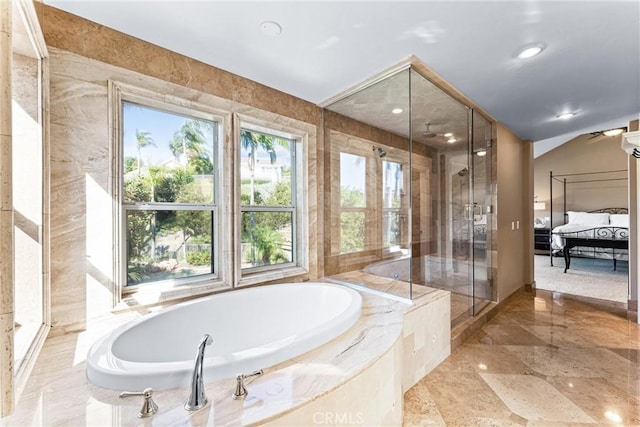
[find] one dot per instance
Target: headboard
(612, 211)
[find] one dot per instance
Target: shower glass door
(442, 196)
(481, 196)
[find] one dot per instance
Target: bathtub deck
(58, 392)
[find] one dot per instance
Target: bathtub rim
(129, 374)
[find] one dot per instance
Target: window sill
(152, 296)
(270, 276)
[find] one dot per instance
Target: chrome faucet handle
(149, 407)
(241, 390)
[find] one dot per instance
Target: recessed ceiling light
(397, 110)
(565, 116)
(270, 28)
(612, 132)
(448, 135)
(451, 140)
(530, 51)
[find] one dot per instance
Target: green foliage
(168, 184)
(136, 273)
(250, 141)
(193, 223)
(352, 224)
(351, 197)
(201, 239)
(199, 258)
(137, 189)
(352, 231)
(129, 164)
(257, 199)
(266, 246)
(190, 141)
(138, 233)
(281, 195)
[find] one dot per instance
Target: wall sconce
(539, 206)
(539, 222)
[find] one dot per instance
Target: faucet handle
(149, 407)
(241, 390)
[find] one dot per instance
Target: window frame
(402, 211)
(369, 202)
(298, 207)
(119, 94)
(374, 195)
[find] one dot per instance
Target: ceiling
(590, 65)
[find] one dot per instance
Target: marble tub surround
(542, 360)
(339, 380)
(383, 284)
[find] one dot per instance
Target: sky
(161, 126)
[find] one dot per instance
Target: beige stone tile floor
(544, 360)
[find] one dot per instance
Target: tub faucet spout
(197, 397)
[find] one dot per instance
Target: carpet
(592, 278)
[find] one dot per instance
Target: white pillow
(572, 216)
(619, 220)
(586, 218)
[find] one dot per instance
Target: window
(169, 192)
(268, 200)
(393, 214)
(372, 214)
(353, 202)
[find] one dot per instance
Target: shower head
(380, 151)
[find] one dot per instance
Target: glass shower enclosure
(408, 192)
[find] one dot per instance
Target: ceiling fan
(428, 132)
(608, 132)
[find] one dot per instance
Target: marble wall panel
(6, 213)
(6, 266)
(6, 361)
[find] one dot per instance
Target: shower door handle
(471, 211)
(468, 212)
(477, 212)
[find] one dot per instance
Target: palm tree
(191, 143)
(251, 141)
(143, 139)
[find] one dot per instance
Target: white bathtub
(251, 329)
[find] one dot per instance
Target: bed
(603, 233)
